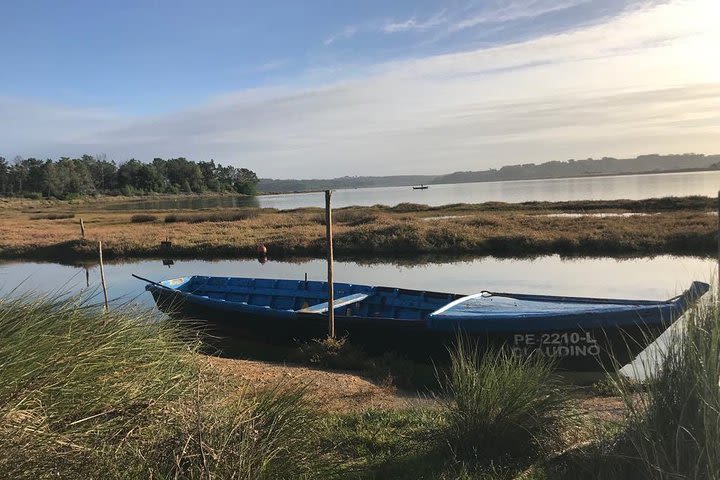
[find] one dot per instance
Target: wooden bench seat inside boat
(339, 302)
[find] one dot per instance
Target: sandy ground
(334, 390)
(345, 391)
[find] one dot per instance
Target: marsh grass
(502, 406)
(228, 215)
(121, 395)
(679, 226)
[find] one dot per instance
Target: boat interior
(310, 297)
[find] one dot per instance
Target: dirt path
(334, 390)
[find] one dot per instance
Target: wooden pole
(102, 276)
(82, 228)
(331, 293)
(718, 234)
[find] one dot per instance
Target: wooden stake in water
(718, 234)
(82, 228)
(102, 277)
(331, 293)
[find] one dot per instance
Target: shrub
(52, 216)
(501, 405)
(143, 218)
(334, 353)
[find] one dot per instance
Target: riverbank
(51, 231)
(86, 394)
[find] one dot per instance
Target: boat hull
(573, 349)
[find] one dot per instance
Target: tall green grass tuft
(501, 405)
(674, 426)
(120, 395)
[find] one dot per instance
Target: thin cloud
(515, 11)
(271, 65)
(412, 24)
(344, 34)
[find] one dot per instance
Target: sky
(318, 89)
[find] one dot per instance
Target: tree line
(89, 175)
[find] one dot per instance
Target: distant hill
(271, 185)
(527, 171)
(589, 167)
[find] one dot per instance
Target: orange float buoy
(261, 249)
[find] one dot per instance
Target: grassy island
(51, 231)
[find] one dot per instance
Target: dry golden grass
(680, 226)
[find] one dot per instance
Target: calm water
(652, 278)
(656, 278)
(593, 188)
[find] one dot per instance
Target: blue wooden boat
(582, 334)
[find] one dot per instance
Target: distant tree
(102, 171)
(245, 181)
(4, 176)
(90, 174)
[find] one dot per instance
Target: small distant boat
(582, 334)
(420, 187)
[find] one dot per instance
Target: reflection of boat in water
(420, 187)
(583, 334)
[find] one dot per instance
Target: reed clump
(143, 218)
(673, 428)
(502, 406)
(216, 216)
(120, 395)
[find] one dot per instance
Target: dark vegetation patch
(143, 218)
(650, 205)
(52, 216)
(216, 216)
(388, 369)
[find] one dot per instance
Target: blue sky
(298, 89)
